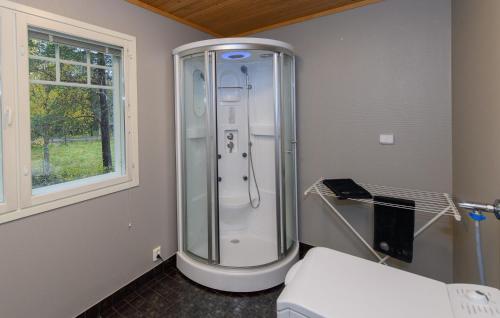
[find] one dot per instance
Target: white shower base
(235, 279)
(243, 250)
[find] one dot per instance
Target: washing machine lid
(337, 285)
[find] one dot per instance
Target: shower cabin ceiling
(226, 18)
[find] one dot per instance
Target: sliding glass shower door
(288, 142)
(286, 152)
(199, 186)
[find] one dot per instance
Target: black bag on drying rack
(394, 227)
(347, 189)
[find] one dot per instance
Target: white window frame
(25, 201)
(8, 105)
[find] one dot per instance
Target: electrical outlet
(156, 253)
(387, 139)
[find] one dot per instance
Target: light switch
(387, 139)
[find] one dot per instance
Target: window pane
(102, 59)
(42, 70)
(71, 53)
(72, 134)
(73, 73)
(102, 77)
(41, 48)
(76, 131)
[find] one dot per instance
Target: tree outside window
(75, 108)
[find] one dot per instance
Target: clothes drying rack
(430, 203)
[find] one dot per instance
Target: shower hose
(478, 217)
(251, 171)
(251, 168)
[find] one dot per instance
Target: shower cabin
(236, 162)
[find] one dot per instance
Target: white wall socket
(387, 139)
(156, 253)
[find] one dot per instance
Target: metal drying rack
(430, 203)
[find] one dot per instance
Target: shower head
(244, 69)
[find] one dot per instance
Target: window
(71, 134)
(76, 109)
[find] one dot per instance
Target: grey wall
(382, 68)
(59, 263)
(476, 113)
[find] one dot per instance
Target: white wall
(59, 263)
(476, 112)
(381, 68)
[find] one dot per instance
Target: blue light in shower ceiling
(236, 55)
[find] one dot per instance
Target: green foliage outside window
(71, 126)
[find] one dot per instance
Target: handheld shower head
(244, 69)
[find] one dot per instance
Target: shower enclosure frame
(208, 271)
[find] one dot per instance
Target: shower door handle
(292, 143)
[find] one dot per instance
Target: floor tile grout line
(157, 293)
(118, 312)
(131, 305)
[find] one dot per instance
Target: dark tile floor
(165, 292)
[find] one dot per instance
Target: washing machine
(331, 284)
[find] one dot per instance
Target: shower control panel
(231, 140)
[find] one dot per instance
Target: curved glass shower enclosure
(236, 162)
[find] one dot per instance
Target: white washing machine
(331, 284)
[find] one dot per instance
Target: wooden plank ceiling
(224, 18)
